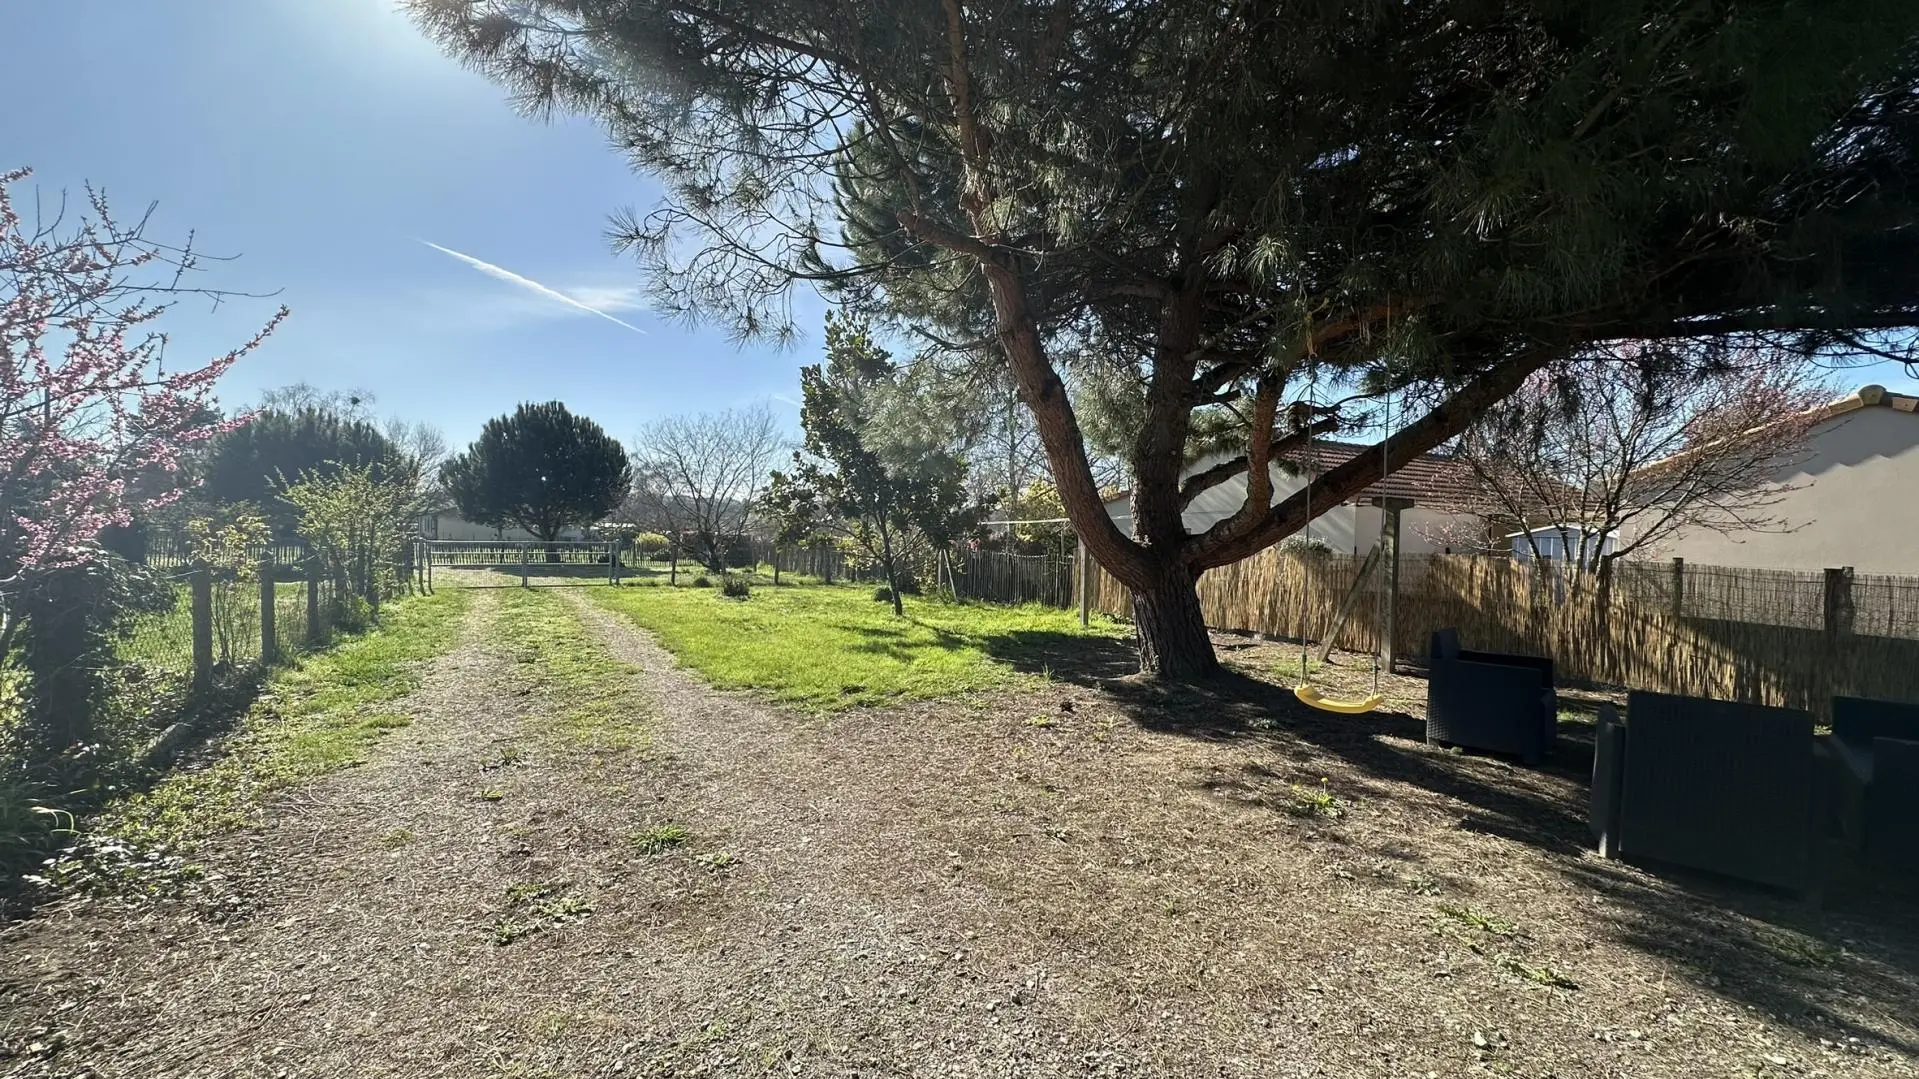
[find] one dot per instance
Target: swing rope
(1307, 693)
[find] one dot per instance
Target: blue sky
(322, 141)
(328, 143)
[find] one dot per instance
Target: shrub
(1306, 546)
(735, 588)
(882, 594)
(29, 829)
(702, 582)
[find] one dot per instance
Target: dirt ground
(1092, 880)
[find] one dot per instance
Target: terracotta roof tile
(1434, 480)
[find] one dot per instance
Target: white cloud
(608, 297)
(599, 300)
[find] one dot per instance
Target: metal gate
(523, 563)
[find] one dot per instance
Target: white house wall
(1852, 499)
(1348, 528)
(1423, 530)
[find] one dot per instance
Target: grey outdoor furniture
(1857, 722)
(1490, 700)
(1892, 808)
(1713, 785)
(1876, 747)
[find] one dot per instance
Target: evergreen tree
(257, 462)
(1214, 221)
(892, 503)
(542, 469)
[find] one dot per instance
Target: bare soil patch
(1087, 880)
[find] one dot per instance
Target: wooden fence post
(1389, 509)
(202, 584)
(1839, 611)
(1839, 606)
(1085, 581)
(316, 632)
(1678, 587)
(269, 642)
(523, 565)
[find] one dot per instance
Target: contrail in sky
(529, 284)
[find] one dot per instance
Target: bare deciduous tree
(352, 404)
(426, 447)
(1618, 448)
(699, 477)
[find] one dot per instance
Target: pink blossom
(87, 399)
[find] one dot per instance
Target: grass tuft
(1540, 975)
(1485, 923)
(659, 839)
(1798, 949)
(535, 906)
(1317, 802)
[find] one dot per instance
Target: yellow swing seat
(1309, 696)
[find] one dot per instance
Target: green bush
(735, 588)
(30, 829)
(702, 582)
(882, 594)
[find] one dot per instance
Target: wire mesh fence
(302, 610)
(162, 639)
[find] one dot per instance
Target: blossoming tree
(95, 418)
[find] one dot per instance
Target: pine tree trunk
(1173, 643)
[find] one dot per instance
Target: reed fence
(1762, 636)
(1005, 577)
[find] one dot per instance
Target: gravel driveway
(1076, 882)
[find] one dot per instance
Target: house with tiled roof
(1444, 517)
(1847, 496)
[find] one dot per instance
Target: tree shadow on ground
(895, 643)
(1772, 952)
(1803, 964)
(1083, 659)
(1382, 746)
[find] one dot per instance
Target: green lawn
(833, 646)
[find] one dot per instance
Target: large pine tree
(1191, 211)
(542, 469)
